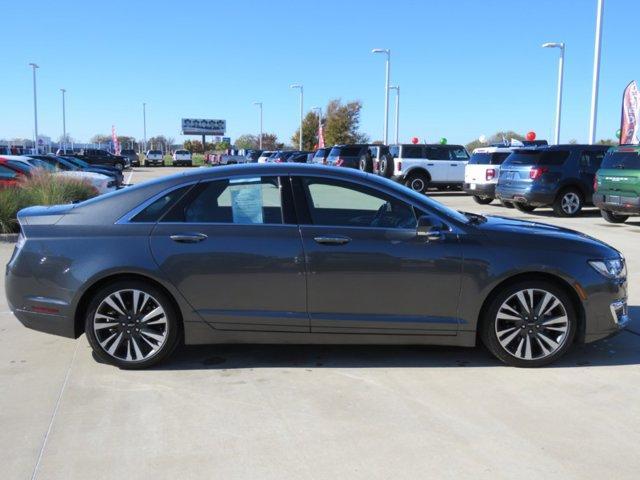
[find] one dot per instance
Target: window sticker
(246, 203)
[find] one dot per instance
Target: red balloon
(531, 136)
(415, 140)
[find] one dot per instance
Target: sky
(465, 68)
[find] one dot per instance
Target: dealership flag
(114, 139)
(320, 136)
(630, 122)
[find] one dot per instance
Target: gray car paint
(271, 285)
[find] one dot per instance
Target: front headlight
(611, 268)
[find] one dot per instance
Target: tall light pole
(596, 74)
(319, 110)
(144, 123)
(297, 85)
(35, 105)
(559, 45)
(386, 90)
(260, 105)
(397, 89)
(64, 120)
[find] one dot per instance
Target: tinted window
(544, 157)
(155, 152)
(242, 201)
(349, 151)
(154, 211)
(553, 157)
(495, 158)
(7, 173)
(629, 160)
(336, 203)
(437, 153)
(459, 153)
(412, 151)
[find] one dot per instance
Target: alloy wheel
(532, 324)
(417, 184)
(130, 325)
(570, 203)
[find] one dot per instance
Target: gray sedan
(306, 254)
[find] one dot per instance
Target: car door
(589, 163)
(367, 270)
(437, 163)
(459, 159)
(231, 248)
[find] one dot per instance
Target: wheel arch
(417, 169)
(85, 299)
(542, 276)
(572, 183)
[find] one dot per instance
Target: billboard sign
(200, 126)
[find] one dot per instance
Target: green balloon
(443, 141)
(618, 133)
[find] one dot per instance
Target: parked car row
(564, 177)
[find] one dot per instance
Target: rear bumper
(536, 197)
(617, 203)
(480, 189)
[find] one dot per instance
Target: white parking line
(128, 182)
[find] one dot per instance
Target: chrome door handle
(332, 240)
(188, 237)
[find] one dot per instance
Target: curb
(8, 237)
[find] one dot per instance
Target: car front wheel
(613, 217)
(131, 324)
(418, 182)
(568, 203)
(529, 324)
(482, 200)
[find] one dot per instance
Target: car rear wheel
(417, 181)
(386, 166)
(131, 324)
(613, 217)
(365, 164)
(568, 203)
(506, 204)
(529, 324)
(523, 207)
(482, 200)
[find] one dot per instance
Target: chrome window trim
(127, 217)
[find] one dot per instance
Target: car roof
(493, 149)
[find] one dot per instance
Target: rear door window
(437, 153)
(350, 151)
(412, 151)
(459, 153)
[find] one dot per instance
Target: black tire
(506, 204)
(568, 203)
(417, 181)
(523, 207)
(119, 166)
(365, 164)
(386, 166)
(488, 327)
(482, 200)
(157, 296)
(613, 217)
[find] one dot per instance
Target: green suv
(617, 184)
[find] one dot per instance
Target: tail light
(339, 162)
(399, 165)
(278, 160)
(536, 172)
(490, 174)
(595, 183)
(324, 161)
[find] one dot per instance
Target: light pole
(64, 121)
(144, 123)
(596, 74)
(319, 110)
(35, 105)
(386, 89)
(397, 89)
(297, 85)
(559, 45)
(260, 105)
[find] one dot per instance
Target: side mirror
(427, 229)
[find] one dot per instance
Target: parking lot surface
(374, 412)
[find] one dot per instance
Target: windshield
(77, 161)
(155, 152)
(628, 160)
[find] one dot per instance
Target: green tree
(342, 122)
(100, 138)
(608, 141)
(309, 133)
(247, 141)
(270, 142)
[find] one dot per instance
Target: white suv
(423, 166)
(154, 157)
(482, 172)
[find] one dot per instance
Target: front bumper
(617, 203)
(480, 189)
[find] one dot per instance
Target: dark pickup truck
(95, 156)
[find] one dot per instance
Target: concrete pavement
(265, 412)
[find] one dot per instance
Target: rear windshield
(628, 160)
(459, 153)
(155, 152)
(345, 151)
(495, 158)
(552, 157)
(182, 152)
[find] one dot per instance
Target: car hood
(84, 175)
(536, 235)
